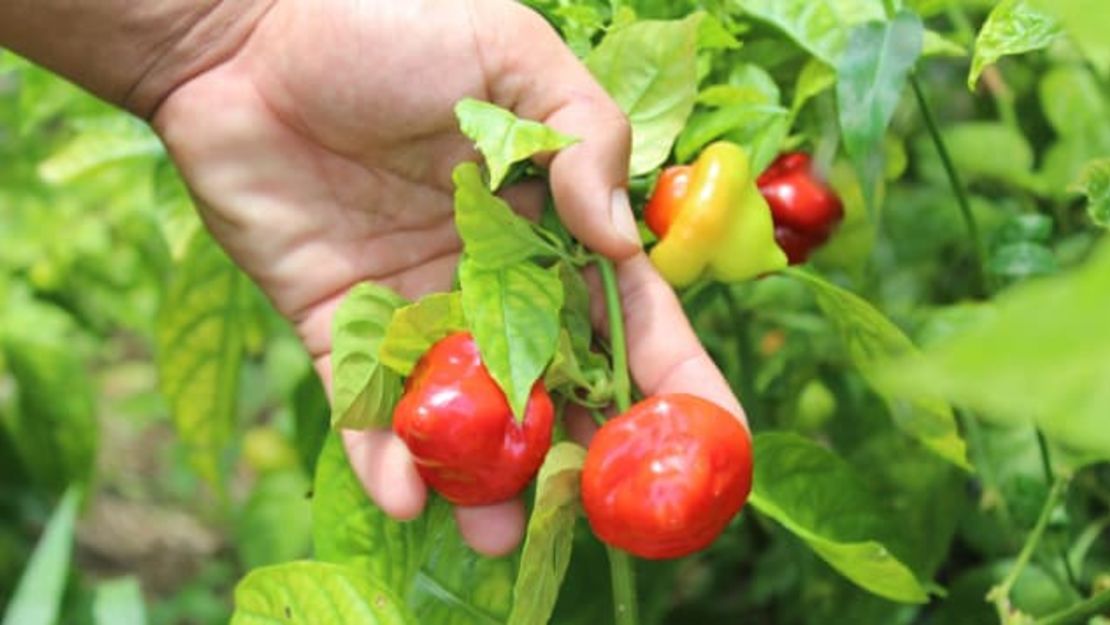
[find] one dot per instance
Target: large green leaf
(101, 142)
(1020, 364)
(649, 68)
(119, 602)
(363, 391)
(872, 74)
(513, 313)
(310, 593)
(870, 338)
(493, 235)
(1094, 183)
(550, 536)
(38, 596)
(819, 498)
(503, 138)
(416, 327)
(275, 523)
(1085, 22)
(818, 26)
(1013, 27)
(200, 333)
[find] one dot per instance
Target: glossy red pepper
(805, 209)
(460, 429)
(663, 479)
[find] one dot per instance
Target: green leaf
(493, 235)
(1094, 182)
(936, 44)
(814, 78)
(820, 27)
(200, 333)
(416, 327)
(364, 392)
(513, 313)
(819, 498)
(119, 601)
(974, 147)
(310, 408)
(1013, 27)
(870, 338)
(872, 74)
(550, 536)
(347, 528)
(1025, 259)
(1085, 22)
(53, 424)
(649, 68)
(1074, 104)
(38, 595)
(103, 142)
(744, 124)
(309, 593)
(503, 138)
(1023, 363)
(275, 523)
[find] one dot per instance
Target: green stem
(742, 320)
(1000, 594)
(954, 180)
(621, 565)
(1080, 612)
(1050, 477)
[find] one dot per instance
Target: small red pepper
(663, 479)
(461, 431)
(805, 209)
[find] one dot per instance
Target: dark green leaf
(1013, 27)
(493, 235)
(363, 391)
(38, 596)
(817, 496)
(513, 313)
(550, 536)
(649, 68)
(416, 327)
(311, 415)
(503, 138)
(1094, 182)
(310, 593)
(872, 74)
(870, 338)
(200, 333)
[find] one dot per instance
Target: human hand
(320, 153)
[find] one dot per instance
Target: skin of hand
(319, 145)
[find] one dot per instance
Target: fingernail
(620, 215)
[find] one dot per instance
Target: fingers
(492, 530)
(588, 179)
(663, 352)
(384, 467)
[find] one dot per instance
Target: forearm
(129, 52)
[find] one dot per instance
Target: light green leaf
(550, 536)
(513, 313)
(38, 596)
(1094, 182)
(310, 593)
(814, 78)
(713, 35)
(416, 327)
(649, 68)
(1085, 22)
(1015, 366)
(872, 74)
(503, 138)
(974, 147)
(870, 338)
(936, 44)
(817, 26)
(275, 524)
(819, 498)
(1013, 27)
(746, 125)
(363, 391)
(200, 333)
(1074, 104)
(101, 143)
(493, 235)
(349, 529)
(119, 602)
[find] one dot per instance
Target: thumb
(531, 71)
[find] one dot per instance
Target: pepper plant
(925, 384)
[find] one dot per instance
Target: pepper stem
(621, 565)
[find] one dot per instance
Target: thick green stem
(1080, 612)
(1000, 594)
(954, 180)
(621, 565)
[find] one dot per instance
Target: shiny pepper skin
(805, 209)
(711, 220)
(460, 429)
(663, 479)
